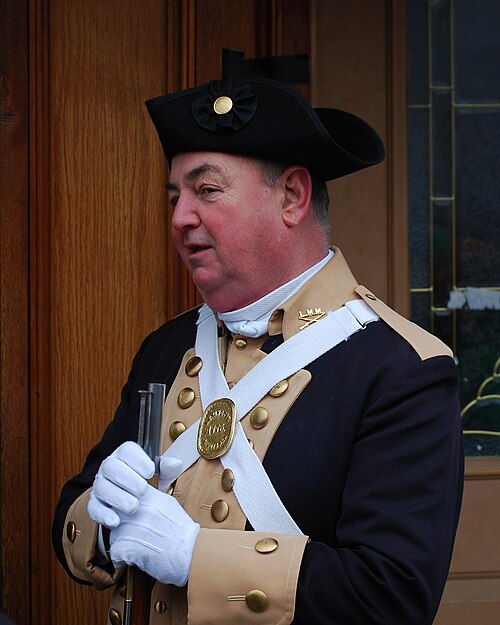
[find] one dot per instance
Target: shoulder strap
(252, 486)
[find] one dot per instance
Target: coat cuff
(244, 577)
(79, 544)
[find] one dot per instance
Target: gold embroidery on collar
(310, 316)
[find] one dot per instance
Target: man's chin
(220, 298)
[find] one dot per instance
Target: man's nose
(185, 213)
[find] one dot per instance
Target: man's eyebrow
(200, 170)
(195, 173)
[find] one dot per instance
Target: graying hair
(320, 200)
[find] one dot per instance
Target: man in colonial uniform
(311, 461)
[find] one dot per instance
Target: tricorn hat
(265, 119)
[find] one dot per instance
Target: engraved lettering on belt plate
(310, 316)
(216, 429)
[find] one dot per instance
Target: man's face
(226, 226)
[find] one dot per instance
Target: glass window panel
(477, 50)
(442, 252)
(481, 445)
(456, 192)
(441, 65)
(418, 83)
(418, 197)
(420, 309)
(443, 326)
(478, 349)
(478, 196)
(441, 144)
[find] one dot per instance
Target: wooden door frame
(15, 492)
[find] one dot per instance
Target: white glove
(170, 469)
(158, 537)
(119, 483)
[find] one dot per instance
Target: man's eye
(173, 201)
(208, 190)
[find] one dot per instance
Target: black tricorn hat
(265, 119)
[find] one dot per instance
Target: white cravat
(252, 320)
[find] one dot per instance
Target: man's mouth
(195, 248)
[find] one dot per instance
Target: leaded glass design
(454, 196)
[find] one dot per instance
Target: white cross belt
(252, 486)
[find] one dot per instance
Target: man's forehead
(189, 165)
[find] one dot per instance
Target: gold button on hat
(160, 607)
(279, 388)
(71, 531)
(227, 480)
(186, 398)
(193, 366)
(259, 417)
(176, 429)
(219, 510)
(115, 617)
(223, 105)
(256, 600)
(266, 545)
(240, 343)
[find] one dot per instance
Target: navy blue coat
(368, 461)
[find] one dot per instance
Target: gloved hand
(158, 537)
(119, 483)
(170, 469)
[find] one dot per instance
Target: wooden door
(86, 268)
(359, 66)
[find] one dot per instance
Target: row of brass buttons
(258, 416)
(115, 617)
(256, 600)
(187, 395)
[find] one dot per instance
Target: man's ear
(297, 188)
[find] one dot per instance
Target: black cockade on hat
(225, 106)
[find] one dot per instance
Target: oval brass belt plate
(216, 429)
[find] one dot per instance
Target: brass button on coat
(176, 429)
(115, 617)
(193, 366)
(186, 397)
(258, 417)
(279, 389)
(240, 343)
(71, 531)
(160, 607)
(256, 600)
(266, 545)
(219, 510)
(227, 480)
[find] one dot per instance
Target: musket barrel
(139, 584)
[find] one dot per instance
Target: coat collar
(327, 290)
